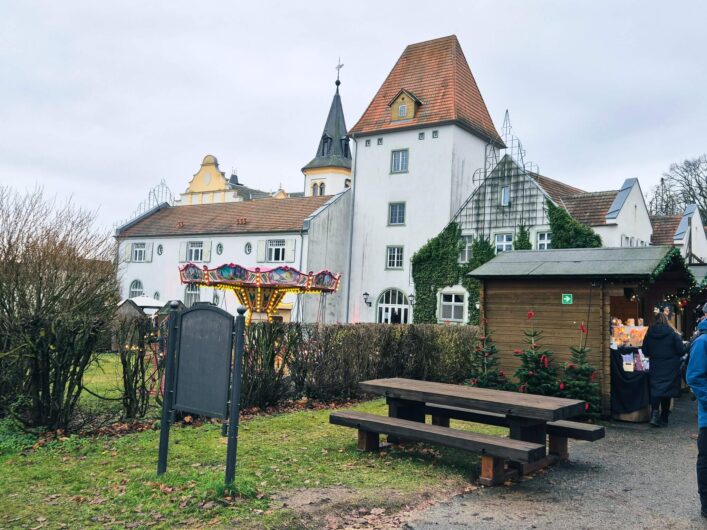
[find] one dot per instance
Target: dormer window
(321, 189)
(403, 106)
(326, 146)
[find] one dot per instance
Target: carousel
(260, 290)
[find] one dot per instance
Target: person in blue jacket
(697, 380)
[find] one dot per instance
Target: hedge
(326, 362)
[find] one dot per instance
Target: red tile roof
(258, 215)
(554, 188)
(435, 72)
(590, 208)
(664, 228)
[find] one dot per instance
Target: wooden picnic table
(526, 415)
(531, 420)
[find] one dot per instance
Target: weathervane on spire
(338, 67)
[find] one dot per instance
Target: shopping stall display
(630, 391)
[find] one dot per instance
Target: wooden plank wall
(506, 304)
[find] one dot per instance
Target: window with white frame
(393, 307)
(396, 213)
(399, 161)
(504, 242)
(195, 251)
(544, 241)
(275, 249)
(402, 111)
(452, 307)
(504, 196)
(394, 258)
(465, 254)
(191, 295)
(136, 289)
(138, 252)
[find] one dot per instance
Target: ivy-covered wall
(436, 266)
(568, 232)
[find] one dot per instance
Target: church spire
(333, 150)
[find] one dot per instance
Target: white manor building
(425, 152)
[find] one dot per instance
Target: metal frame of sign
(232, 404)
(185, 407)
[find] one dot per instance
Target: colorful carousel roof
(285, 278)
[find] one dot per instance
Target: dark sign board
(203, 361)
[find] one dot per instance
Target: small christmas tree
(580, 378)
(536, 374)
(486, 364)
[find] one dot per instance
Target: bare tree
(662, 200)
(684, 183)
(58, 293)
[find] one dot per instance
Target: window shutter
(148, 252)
(182, 252)
(207, 252)
(290, 250)
(127, 250)
(260, 255)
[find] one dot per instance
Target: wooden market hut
(565, 288)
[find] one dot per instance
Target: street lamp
(365, 299)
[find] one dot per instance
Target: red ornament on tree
(531, 314)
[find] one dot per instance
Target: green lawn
(111, 482)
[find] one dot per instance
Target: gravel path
(636, 477)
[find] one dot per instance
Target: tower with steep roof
(425, 132)
(329, 172)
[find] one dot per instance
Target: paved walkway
(636, 477)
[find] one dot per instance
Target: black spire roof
(333, 150)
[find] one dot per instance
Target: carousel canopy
(286, 278)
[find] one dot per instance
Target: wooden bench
(558, 431)
(494, 450)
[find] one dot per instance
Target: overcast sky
(101, 100)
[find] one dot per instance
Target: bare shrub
(58, 294)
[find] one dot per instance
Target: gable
(208, 178)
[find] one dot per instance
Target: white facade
(631, 226)
(436, 180)
(690, 235)
(158, 273)
(326, 181)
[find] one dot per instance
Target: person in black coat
(664, 347)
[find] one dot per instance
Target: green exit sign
(567, 299)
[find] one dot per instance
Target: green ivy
(522, 239)
(568, 232)
(436, 266)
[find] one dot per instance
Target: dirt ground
(637, 477)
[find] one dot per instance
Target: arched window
(321, 189)
(393, 307)
(191, 295)
(136, 289)
(315, 189)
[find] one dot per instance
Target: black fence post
(168, 388)
(234, 411)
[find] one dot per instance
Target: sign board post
(567, 299)
(168, 388)
(234, 411)
(201, 372)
